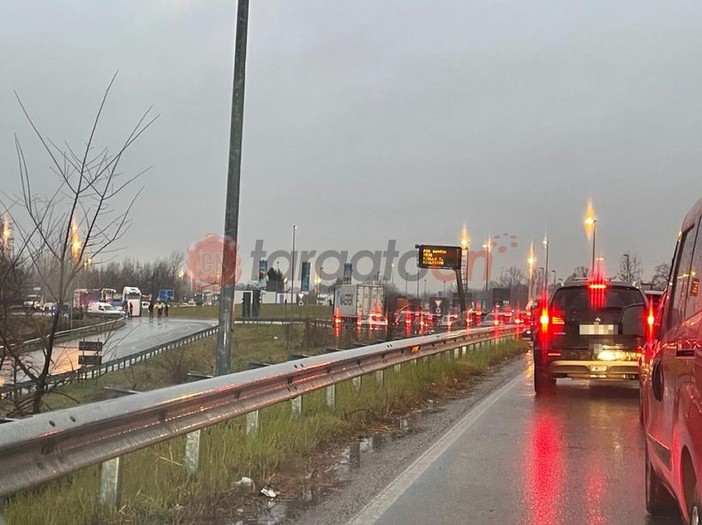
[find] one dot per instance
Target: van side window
(681, 278)
(694, 294)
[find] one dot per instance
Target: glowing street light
(590, 223)
(465, 246)
(531, 262)
(6, 235)
(488, 247)
(76, 244)
(545, 243)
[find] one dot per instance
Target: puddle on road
(316, 487)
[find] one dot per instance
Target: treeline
(150, 277)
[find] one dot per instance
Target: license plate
(598, 329)
(598, 368)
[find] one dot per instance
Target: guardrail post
(193, 447)
(380, 377)
(331, 396)
(356, 382)
(2, 504)
(456, 353)
(296, 405)
(397, 368)
(464, 350)
(111, 482)
(252, 423)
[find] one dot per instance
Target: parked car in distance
(490, 320)
(671, 385)
(103, 309)
(590, 329)
(374, 321)
(448, 320)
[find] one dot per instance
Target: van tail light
(544, 321)
(557, 319)
(650, 322)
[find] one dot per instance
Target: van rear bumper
(594, 369)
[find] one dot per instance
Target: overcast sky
(374, 120)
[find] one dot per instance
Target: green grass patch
(157, 489)
(276, 311)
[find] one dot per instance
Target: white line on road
(372, 512)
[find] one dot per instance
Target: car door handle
(685, 352)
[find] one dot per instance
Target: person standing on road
(159, 307)
(151, 309)
(131, 310)
(165, 309)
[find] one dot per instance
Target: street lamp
(317, 282)
(488, 248)
(292, 275)
(628, 270)
(590, 223)
(465, 246)
(531, 261)
(554, 277)
(546, 264)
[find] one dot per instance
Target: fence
(51, 445)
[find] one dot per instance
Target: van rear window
(575, 303)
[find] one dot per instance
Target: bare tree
(81, 217)
(630, 270)
(660, 276)
(511, 277)
(580, 272)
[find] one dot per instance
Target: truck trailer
(358, 302)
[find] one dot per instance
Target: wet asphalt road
(140, 333)
(575, 458)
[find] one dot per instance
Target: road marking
(372, 512)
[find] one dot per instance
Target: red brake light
(544, 320)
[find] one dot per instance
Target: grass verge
(157, 490)
(276, 311)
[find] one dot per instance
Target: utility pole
(223, 358)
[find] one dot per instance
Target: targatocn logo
(204, 262)
(505, 241)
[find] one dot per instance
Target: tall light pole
(590, 223)
(292, 275)
(546, 265)
(628, 271)
(465, 246)
(462, 276)
(488, 249)
(223, 357)
(531, 261)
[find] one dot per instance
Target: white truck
(357, 302)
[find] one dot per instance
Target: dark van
(671, 392)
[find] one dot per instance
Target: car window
(694, 301)
(681, 276)
(574, 304)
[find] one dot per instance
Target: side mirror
(633, 320)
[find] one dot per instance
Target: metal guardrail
(92, 372)
(51, 445)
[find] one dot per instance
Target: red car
(671, 391)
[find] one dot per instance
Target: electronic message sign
(448, 257)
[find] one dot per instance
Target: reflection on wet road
(575, 458)
(139, 334)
